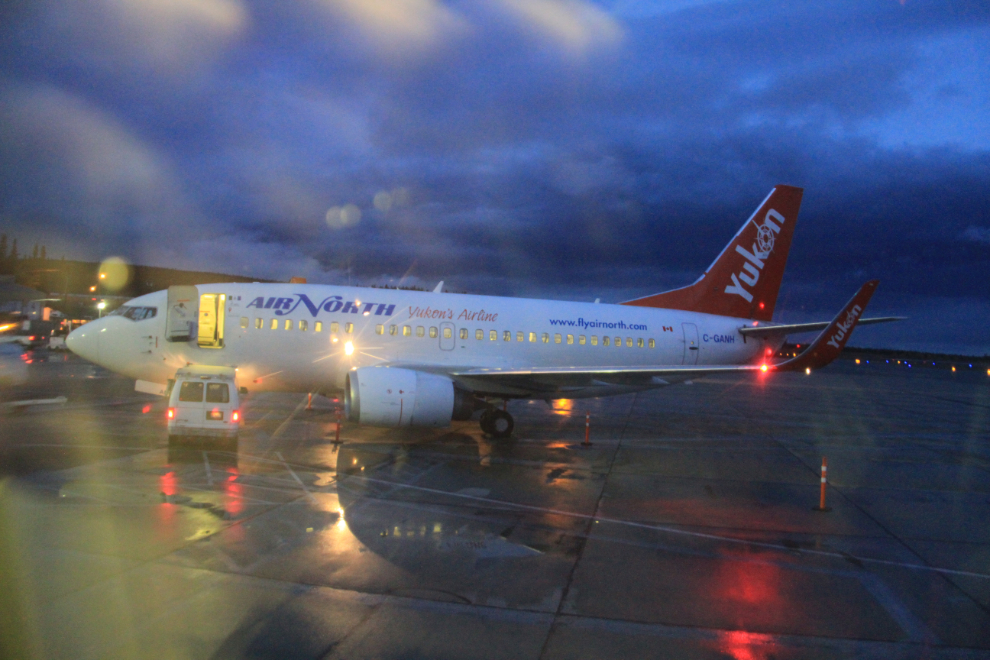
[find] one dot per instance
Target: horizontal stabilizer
(795, 328)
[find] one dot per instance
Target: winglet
(438, 288)
(832, 340)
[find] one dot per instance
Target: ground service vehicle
(204, 405)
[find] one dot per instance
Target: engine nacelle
(381, 396)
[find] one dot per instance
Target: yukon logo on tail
(761, 249)
(842, 328)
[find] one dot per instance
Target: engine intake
(382, 396)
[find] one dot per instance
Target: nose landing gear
(497, 423)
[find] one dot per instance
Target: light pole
(101, 306)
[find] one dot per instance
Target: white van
(203, 402)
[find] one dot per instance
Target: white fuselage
(444, 331)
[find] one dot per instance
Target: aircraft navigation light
(349, 348)
(807, 371)
(92, 288)
(763, 368)
(103, 276)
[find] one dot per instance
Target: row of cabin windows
(407, 331)
(493, 335)
(289, 324)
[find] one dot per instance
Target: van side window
(217, 393)
(191, 392)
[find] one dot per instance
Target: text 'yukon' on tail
(745, 278)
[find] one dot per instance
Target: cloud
(64, 159)
(976, 234)
(170, 38)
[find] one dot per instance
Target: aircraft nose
(85, 342)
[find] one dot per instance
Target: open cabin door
(183, 310)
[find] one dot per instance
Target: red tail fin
(744, 280)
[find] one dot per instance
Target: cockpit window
(135, 313)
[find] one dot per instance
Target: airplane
(420, 358)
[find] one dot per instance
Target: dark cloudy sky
(543, 148)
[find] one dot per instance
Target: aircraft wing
(826, 347)
(795, 328)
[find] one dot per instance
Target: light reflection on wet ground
(686, 529)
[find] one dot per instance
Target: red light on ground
(146, 409)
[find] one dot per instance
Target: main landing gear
(497, 423)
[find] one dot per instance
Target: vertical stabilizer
(745, 278)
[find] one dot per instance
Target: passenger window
(519, 336)
(433, 332)
(244, 322)
(420, 331)
(628, 342)
(334, 327)
(639, 343)
(532, 336)
(556, 338)
(288, 324)
(618, 342)
(348, 328)
(217, 393)
(570, 339)
(406, 331)
(191, 392)
(479, 334)
(605, 341)
(653, 343)
(581, 340)
(274, 324)
(464, 333)
(259, 324)
(392, 329)
(492, 335)
(379, 329)
(506, 336)
(545, 337)
(448, 333)
(318, 326)
(303, 326)
(594, 340)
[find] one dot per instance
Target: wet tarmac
(686, 530)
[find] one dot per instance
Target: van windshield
(217, 393)
(191, 391)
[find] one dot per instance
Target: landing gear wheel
(486, 421)
(500, 424)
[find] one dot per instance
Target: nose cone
(85, 342)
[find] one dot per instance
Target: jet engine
(382, 396)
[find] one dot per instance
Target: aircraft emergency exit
(412, 358)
